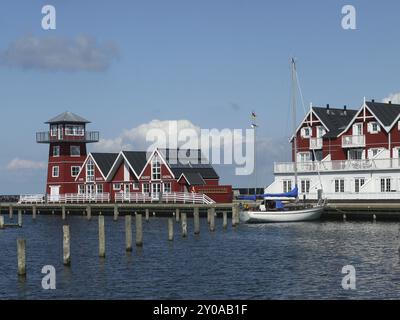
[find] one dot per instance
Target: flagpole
(254, 125)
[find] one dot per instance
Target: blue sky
(209, 62)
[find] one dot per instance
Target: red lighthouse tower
(67, 137)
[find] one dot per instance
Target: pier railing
(338, 165)
(173, 197)
(31, 198)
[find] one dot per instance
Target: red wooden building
(76, 175)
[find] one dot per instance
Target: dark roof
(386, 112)
(67, 117)
(184, 156)
(194, 178)
(137, 159)
(335, 119)
(105, 161)
(206, 171)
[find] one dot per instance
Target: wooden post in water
(116, 213)
(233, 216)
(212, 219)
(139, 230)
(10, 211)
(19, 217)
(102, 238)
(208, 216)
(1, 222)
(374, 217)
(63, 212)
(196, 218)
(66, 246)
(344, 217)
(177, 215)
(34, 212)
(128, 232)
(170, 229)
(21, 244)
(89, 212)
(184, 225)
(147, 215)
(224, 219)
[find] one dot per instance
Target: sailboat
(284, 207)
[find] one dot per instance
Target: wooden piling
(63, 213)
(10, 211)
(344, 217)
(374, 217)
(196, 220)
(116, 213)
(212, 219)
(233, 216)
(1, 222)
(102, 238)
(89, 212)
(184, 224)
(177, 213)
(34, 212)
(128, 232)
(224, 219)
(208, 216)
(170, 229)
(139, 230)
(21, 244)
(66, 246)
(147, 215)
(20, 218)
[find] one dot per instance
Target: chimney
(345, 110)
(373, 100)
(327, 108)
(390, 102)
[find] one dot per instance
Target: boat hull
(310, 214)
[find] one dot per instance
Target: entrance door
(54, 193)
(127, 191)
(90, 191)
(155, 191)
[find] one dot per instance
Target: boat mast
(294, 120)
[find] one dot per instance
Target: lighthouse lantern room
(67, 137)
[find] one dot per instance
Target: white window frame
(386, 184)
(72, 170)
(90, 171)
(340, 185)
(358, 125)
(135, 185)
(147, 187)
(75, 155)
(99, 187)
(305, 186)
(169, 188)
(156, 169)
(287, 186)
(117, 186)
(306, 154)
(303, 132)
(81, 189)
(74, 130)
(55, 169)
(320, 131)
(358, 184)
(371, 127)
(56, 154)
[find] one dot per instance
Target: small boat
(284, 207)
(274, 209)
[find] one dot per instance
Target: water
(278, 261)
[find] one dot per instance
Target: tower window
(75, 151)
(56, 172)
(56, 151)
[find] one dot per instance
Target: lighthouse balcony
(50, 137)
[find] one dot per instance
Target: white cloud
(21, 164)
(56, 53)
(394, 97)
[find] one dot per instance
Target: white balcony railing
(173, 197)
(31, 198)
(339, 165)
(79, 198)
(353, 141)
(315, 143)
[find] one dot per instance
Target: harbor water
(274, 261)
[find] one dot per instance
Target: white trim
(84, 165)
(149, 161)
(115, 163)
(78, 171)
(58, 172)
(305, 118)
(70, 151)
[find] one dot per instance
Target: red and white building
(351, 154)
(74, 175)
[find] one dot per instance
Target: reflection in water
(277, 261)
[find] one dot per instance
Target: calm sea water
(278, 261)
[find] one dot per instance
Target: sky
(131, 65)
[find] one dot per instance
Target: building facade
(162, 175)
(350, 154)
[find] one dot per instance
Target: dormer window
(374, 127)
(306, 132)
